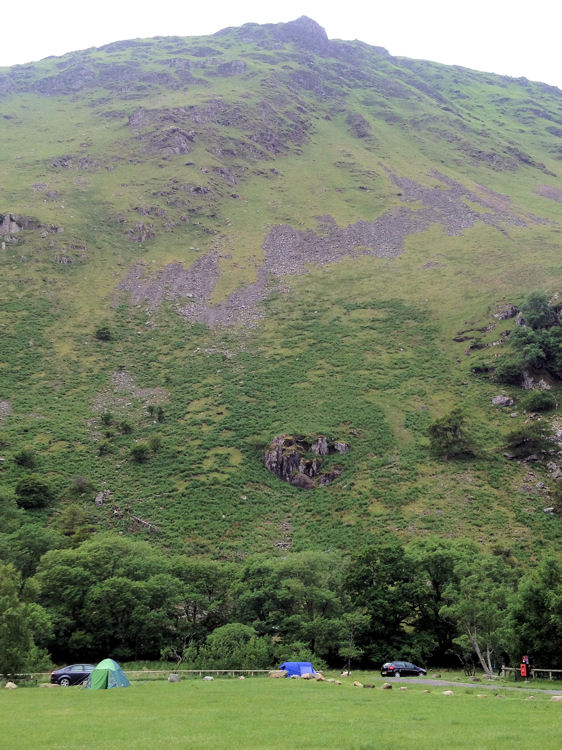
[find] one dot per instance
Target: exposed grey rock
(507, 312)
(232, 68)
(286, 458)
(101, 497)
(174, 677)
(502, 401)
(340, 447)
(554, 469)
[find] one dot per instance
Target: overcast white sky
(512, 37)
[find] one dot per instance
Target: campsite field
(270, 714)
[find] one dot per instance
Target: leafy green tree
(72, 584)
(448, 436)
(380, 582)
(22, 624)
(33, 492)
(434, 560)
(537, 311)
(477, 602)
(528, 345)
(535, 616)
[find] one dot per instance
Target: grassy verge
(257, 713)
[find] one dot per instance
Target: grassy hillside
(281, 234)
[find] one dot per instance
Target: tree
(32, 492)
(477, 602)
(448, 436)
(380, 582)
(535, 616)
(21, 625)
(537, 311)
(435, 560)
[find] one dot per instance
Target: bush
(537, 311)
(140, 452)
(125, 427)
(155, 442)
(32, 492)
(540, 401)
(509, 370)
(448, 437)
(25, 458)
(529, 440)
(79, 485)
(556, 498)
(103, 333)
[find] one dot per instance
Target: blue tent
(297, 668)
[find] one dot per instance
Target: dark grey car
(401, 669)
(74, 674)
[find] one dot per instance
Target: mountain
(261, 241)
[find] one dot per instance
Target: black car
(401, 668)
(75, 674)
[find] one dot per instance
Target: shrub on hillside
(32, 492)
(140, 452)
(103, 333)
(540, 401)
(25, 458)
(448, 436)
(531, 439)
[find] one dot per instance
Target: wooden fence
(535, 673)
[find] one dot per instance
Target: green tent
(107, 674)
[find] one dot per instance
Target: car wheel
(397, 674)
(64, 682)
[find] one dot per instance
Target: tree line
(434, 601)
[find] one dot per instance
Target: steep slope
(210, 242)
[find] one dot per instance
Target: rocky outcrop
(12, 223)
(502, 401)
(296, 460)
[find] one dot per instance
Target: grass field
(261, 713)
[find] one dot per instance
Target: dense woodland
(435, 601)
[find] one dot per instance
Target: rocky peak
(304, 31)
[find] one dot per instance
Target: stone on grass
(308, 676)
(357, 684)
(554, 699)
(386, 686)
(174, 677)
(241, 677)
(10, 686)
(208, 678)
(368, 685)
(447, 692)
(426, 691)
(320, 677)
(276, 673)
(403, 687)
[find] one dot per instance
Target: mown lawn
(261, 713)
